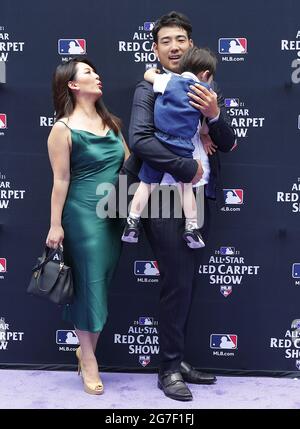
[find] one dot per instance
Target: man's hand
(209, 147)
(199, 173)
(204, 100)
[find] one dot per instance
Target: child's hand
(150, 74)
(209, 147)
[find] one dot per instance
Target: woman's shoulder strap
(63, 122)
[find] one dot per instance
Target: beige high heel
(91, 388)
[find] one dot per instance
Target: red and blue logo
(233, 45)
(144, 360)
(3, 121)
(233, 196)
(226, 290)
(229, 250)
(64, 336)
(71, 46)
(223, 341)
(296, 271)
(146, 268)
(231, 102)
(145, 321)
(3, 265)
(148, 26)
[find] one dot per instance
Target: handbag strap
(48, 255)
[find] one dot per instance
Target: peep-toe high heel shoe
(91, 388)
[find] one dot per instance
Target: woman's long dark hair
(63, 97)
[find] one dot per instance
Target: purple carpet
(63, 390)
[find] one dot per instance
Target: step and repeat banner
(245, 316)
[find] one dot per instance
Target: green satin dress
(92, 244)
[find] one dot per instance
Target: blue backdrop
(246, 310)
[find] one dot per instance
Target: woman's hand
(55, 237)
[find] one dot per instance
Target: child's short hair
(196, 60)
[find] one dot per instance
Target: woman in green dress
(86, 149)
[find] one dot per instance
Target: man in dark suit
(176, 261)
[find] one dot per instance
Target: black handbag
(52, 280)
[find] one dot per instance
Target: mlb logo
(233, 45)
(296, 271)
(64, 336)
(148, 26)
(297, 364)
(233, 196)
(231, 102)
(226, 290)
(2, 265)
(145, 321)
(295, 324)
(150, 66)
(227, 250)
(3, 121)
(71, 46)
(146, 268)
(223, 341)
(144, 360)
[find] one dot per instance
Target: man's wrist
(213, 119)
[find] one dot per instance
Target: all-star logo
(8, 193)
(242, 119)
(293, 46)
(227, 268)
(7, 335)
(291, 196)
(139, 45)
(8, 45)
(141, 339)
(289, 342)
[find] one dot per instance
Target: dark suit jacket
(146, 147)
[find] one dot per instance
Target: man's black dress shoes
(173, 386)
(191, 375)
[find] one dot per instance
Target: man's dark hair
(172, 19)
(196, 60)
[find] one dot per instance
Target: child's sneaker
(193, 238)
(131, 231)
